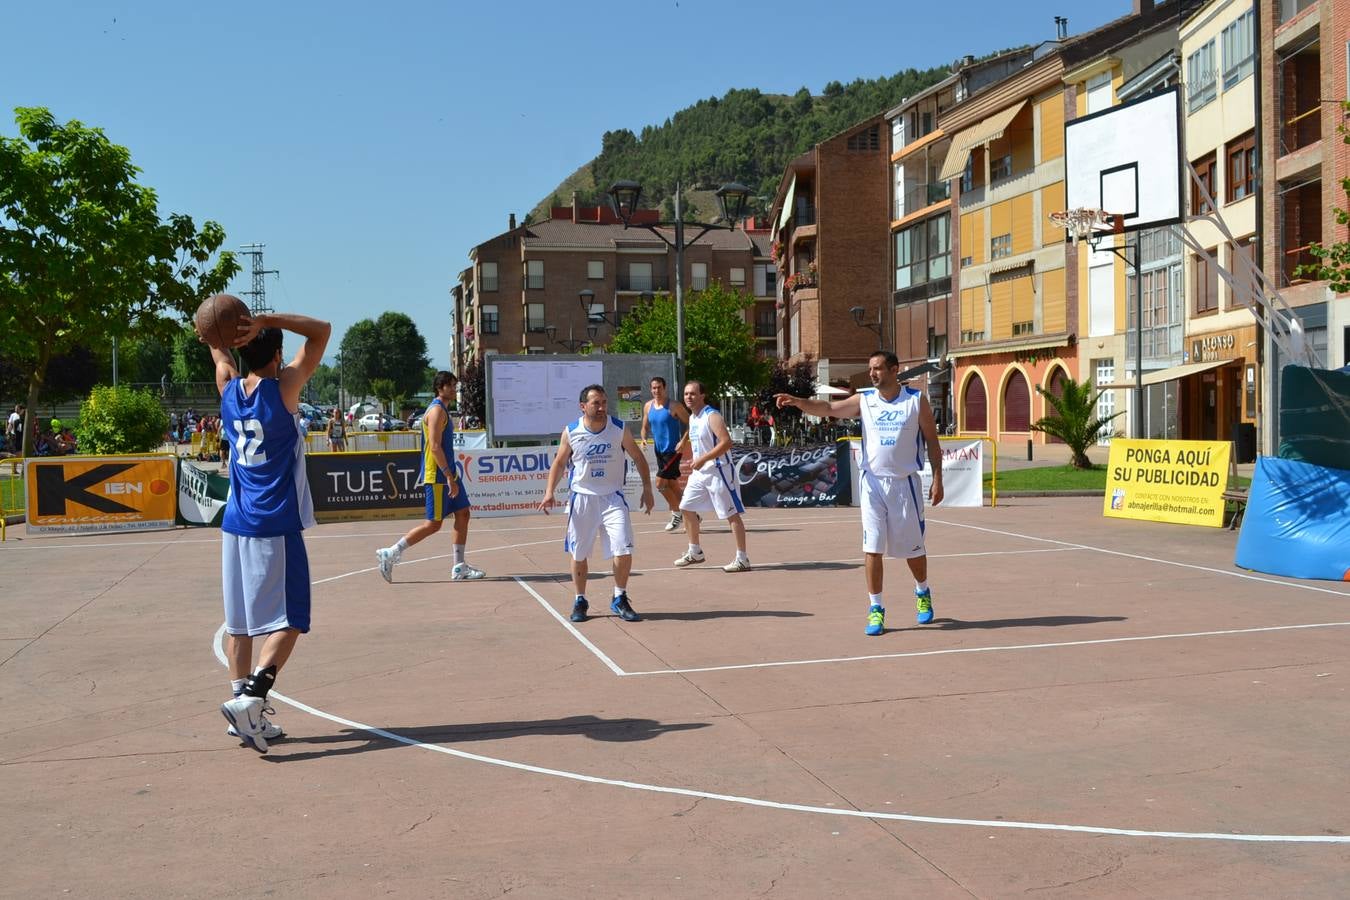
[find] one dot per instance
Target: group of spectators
(183, 427)
(53, 439)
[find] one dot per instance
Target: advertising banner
(1167, 481)
(788, 476)
(201, 496)
(79, 494)
(962, 472)
(365, 485)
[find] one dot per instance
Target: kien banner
(100, 493)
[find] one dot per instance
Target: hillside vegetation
(745, 135)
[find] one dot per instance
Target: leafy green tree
(191, 358)
(719, 341)
(389, 347)
(387, 393)
(360, 350)
(323, 385)
(1075, 420)
(795, 378)
(84, 252)
(1333, 260)
(121, 420)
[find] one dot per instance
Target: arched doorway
(1016, 403)
(1056, 387)
(975, 406)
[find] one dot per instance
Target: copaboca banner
(788, 476)
(962, 472)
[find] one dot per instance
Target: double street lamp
(731, 198)
(857, 313)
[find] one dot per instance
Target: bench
(1234, 494)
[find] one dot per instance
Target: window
(1000, 167)
(1201, 86)
(766, 322)
(1204, 284)
(969, 336)
(490, 324)
(771, 281)
(866, 140)
(488, 275)
(968, 175)
(1164, 302)
(640, 276)
(898, 191)
(698, 276)
(1238, 52)
(1099, 92)
(923, 252)
(595, 269)
(1105, 370)
(1204, 167)
(1240, 176)
(534, 317)
(1000, 246)
(534, 274)
(535, 351)
(975, 406)
(738, 277)
(1020, 328)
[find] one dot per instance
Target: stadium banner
(789, 477)
(201, 496)
(1167, 481)
(511, 481)
(962, 472)
(366, 485)
(86, 494)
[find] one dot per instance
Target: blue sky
(369, 146)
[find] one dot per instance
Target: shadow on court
(1029, 622)
(358, 741)
(725, 614)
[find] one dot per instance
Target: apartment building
(830, 243)
(568, 282)
(923, 315)
(1304, 49)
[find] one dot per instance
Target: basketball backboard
(1127, 161)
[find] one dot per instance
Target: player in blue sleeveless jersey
(667, 421)
(897, 428)
(592, 450)
(264, 569)
(442, 485)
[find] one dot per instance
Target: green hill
(744, 136)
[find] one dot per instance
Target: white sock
(581, 598)
(695, 550)
(398, 548)
(875, 600)
(236, 686)
(459, 554)
(920, 587)
(741, 557)
(618, 592)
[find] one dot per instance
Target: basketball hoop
(1087, 224)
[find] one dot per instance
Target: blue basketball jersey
(428, 471)
(667, 429)
(269, 493)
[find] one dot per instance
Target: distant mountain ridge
(745, 135)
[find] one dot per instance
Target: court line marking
(789, 807)
(585, 642)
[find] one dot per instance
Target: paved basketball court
(1101, 707)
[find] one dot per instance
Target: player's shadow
(500, 579)
(697, 615)
(805, 566)
(355, 740)
(1029, 622)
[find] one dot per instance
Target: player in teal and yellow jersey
(440, 481)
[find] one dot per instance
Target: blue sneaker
(621, 609)
(876, 620)
(923, 602)
(579, 610)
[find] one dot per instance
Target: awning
(1010, 347)
(1176, 372)
(787, 203)
(976, 136)
(829, 390)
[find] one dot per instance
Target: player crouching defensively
(897, 424)
(592, 450)
(264, 567)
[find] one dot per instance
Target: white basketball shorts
(607, 515)
(712, 489)
(266, 583)
(892, 515)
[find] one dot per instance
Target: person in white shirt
(712, 485)
(897, 427)
(592, 450)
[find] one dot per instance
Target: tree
(719, 342)
(389, 347)
(323, 385)
(359, 349)
(795, 378)
(1333, 263)
(191, 359)
(387, 393)
(1075, 420)
(84, 252)
(473, 393)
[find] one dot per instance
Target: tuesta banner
(962, 472)
(353, 486)
(78, 494)
(201, 496)
(1167, 481)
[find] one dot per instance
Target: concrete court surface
(1101, 708)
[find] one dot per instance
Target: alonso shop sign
(1167, 481)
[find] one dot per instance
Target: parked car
(376, 422)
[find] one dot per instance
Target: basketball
(217, 319)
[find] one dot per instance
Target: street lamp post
(731, 198)
(857, 313)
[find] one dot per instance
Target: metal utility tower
(258, 296)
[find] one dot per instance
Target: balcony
(636, 283)
(921, 196)
(1291, 8)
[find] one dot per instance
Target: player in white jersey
(897, 428)
(712, 485)
(592, 449)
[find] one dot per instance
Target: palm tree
(1075, 420)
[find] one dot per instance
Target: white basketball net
(1081, 223)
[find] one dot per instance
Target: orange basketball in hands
(217, 319)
